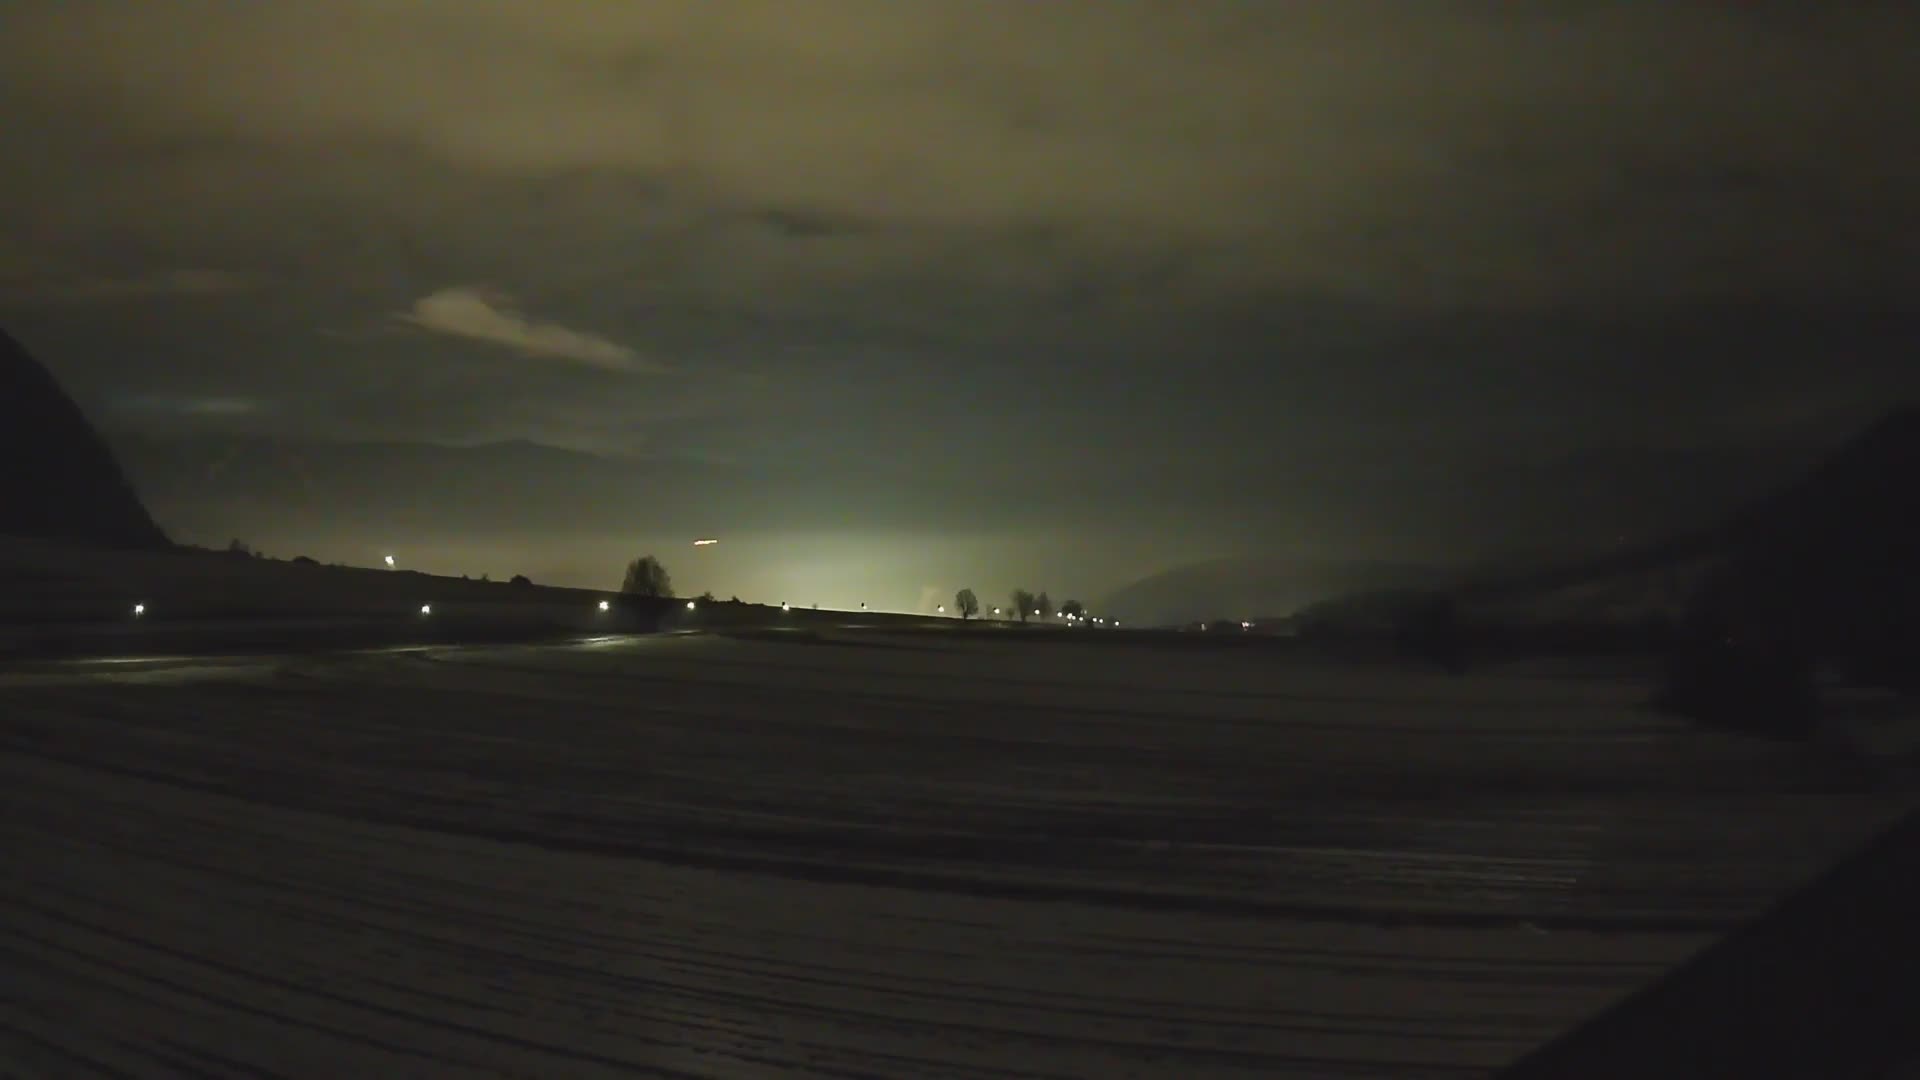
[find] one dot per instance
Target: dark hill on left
(58, 479)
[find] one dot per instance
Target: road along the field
(857, 855)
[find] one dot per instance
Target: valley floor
(859, 855)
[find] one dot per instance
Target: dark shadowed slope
(1823, 986)
(1829, 563)
(59, 480)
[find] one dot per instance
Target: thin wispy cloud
(468, 313)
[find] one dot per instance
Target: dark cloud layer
(1256, 260)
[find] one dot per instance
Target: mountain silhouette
(60, 481)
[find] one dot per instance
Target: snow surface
(881, 855)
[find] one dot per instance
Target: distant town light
(705, 541)
(1245, 625)
(389, 560)
(139, 610)
(426, 609)
(605, 606)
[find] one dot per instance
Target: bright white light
(942, 609)
(996, 611)
(784, 607)
(704, 541)
(389, 562)
(689, 605)
(426, 609)
(139, 610)
(1036, 613)
(605, 606)
(1245, 625)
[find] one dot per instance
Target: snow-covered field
(865, 855)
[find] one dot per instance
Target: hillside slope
(60, 481)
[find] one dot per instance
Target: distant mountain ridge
(1831, 557)
(1558, 519)
(1255, 587)
(58, 478)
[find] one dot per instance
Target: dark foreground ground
(856, 854)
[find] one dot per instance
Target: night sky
(902, 295)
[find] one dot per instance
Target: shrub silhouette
(1734, 670)
(1430, 631)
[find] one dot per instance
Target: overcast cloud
(1208, 240)
(1414, 152)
